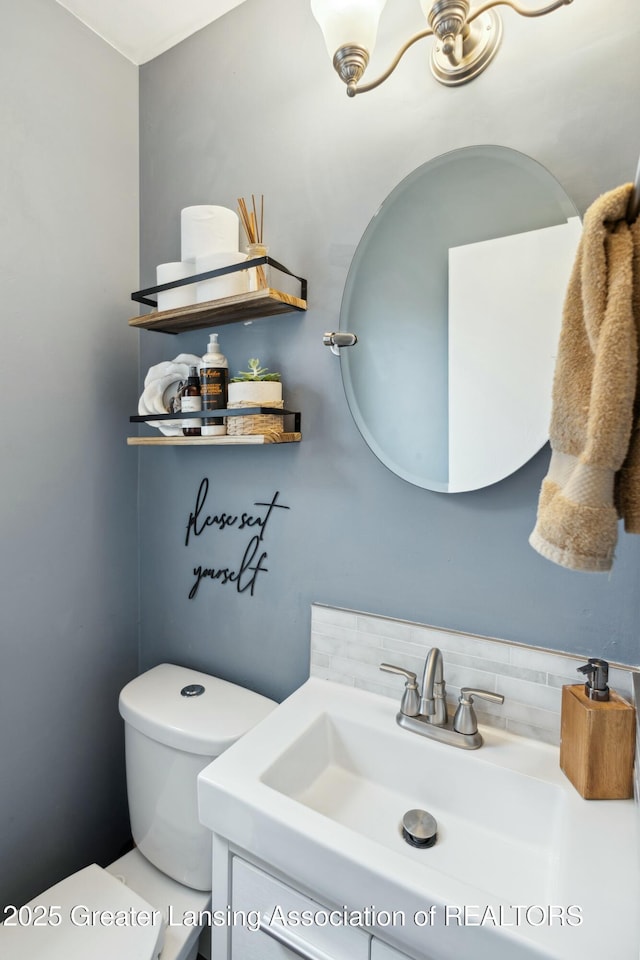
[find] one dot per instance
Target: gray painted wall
(251, 105)
(216, 125)
(68, 590)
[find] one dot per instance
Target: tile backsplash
(348, 646)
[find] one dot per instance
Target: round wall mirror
(455, 293)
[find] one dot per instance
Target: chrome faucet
(433, 704)
(425, 711)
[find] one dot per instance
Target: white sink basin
(485, 837)
(523, 866)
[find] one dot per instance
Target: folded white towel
(161, 386)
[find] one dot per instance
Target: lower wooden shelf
(226, 441)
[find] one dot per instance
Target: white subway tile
(536, 716)
(474, 646)
(409, 647)
(534, 694)
(336, 630)
(322, 643)
(559, 682)
(319, 659)
(382, 627)
(466, 677)
(494, 666)
(622, 682)
(372, 655)
(355, 669)
(320, 613)
(432, 636)
(333, 673)
(550, 736)
(543, 660)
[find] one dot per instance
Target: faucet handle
(410, 704)
(465, 720)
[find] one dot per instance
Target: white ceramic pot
(259, 393)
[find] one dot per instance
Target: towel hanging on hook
(594, 473)
(633, 210)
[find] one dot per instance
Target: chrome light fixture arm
(461, 51)
(523, 11)
(344, 53)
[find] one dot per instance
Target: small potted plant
(255, 387)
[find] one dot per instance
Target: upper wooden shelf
(241, 307)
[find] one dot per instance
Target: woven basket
(264, 423)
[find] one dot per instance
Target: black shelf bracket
(143, 296)
(211, 414)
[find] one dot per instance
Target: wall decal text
(245, 574)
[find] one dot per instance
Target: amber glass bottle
(190, 399)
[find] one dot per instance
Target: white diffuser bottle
(214, 377)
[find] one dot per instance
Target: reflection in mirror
(455, 295)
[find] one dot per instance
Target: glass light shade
(348, 22)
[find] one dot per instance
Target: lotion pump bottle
(214, 376)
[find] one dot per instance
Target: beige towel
(594, 473)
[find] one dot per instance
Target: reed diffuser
(253, 226)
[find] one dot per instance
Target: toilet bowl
(148, 903)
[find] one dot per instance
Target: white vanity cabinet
(271, 920)
(313, 796)
(291, 925)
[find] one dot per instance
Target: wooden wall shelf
(226, 441)
(242, 307)
(239, 308)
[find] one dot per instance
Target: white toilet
(144, 905)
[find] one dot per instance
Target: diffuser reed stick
(253, 227)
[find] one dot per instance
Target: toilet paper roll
(208, 229)
(179, 296)
(227, 285)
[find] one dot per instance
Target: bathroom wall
(251, 105)
(68, 590)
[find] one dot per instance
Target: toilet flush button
(192, 690)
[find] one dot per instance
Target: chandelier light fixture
(466, 40)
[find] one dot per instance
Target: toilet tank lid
(206, 722)
(84, 904)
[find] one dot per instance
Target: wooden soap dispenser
(597, 736)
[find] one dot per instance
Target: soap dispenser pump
(597, 736)
(597, 674)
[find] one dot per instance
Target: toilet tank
(177, 721)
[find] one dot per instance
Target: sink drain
(419, 828)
